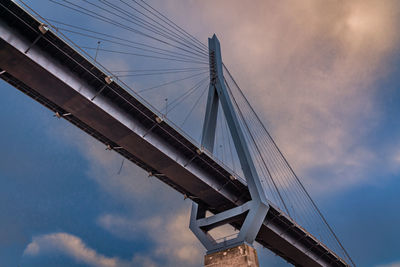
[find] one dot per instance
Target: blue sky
(323, 78)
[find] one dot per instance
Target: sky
(322, 75)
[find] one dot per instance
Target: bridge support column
(239, 256)
(248, 216)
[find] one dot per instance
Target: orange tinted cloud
(310, 68)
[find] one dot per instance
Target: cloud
(151, 209)
(393, 157)
(121, 226)
(311, 70)
(130, 185)
(396, 158)
(71, 246)
(174, 243)
(175, 240)
(393, 264)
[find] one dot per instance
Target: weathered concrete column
(239, 256)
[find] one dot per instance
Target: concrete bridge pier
(239, 256)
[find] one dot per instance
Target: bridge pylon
(249, 215)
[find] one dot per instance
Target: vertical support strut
(254, 211)
(210, 120)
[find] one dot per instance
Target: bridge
(37, 58)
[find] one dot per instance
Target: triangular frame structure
(254, 210)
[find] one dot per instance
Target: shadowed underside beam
(58, 77)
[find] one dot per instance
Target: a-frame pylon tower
(254, 210)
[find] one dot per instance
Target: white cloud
(176, 240)
(393, 158)
(396, 158)
(393, 264)
(310, 70)
(173, 242)
(152, 209)
(71, 246)
(128, 227)
(130, 185)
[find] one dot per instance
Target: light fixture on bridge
(109, 147)
(58, 115)
(151, 174)
(108, 79)
(186, 196)
(158, 119)
(199, 151)
(43, 28)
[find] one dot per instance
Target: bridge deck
(54, 74)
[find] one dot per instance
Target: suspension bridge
(140, 84)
